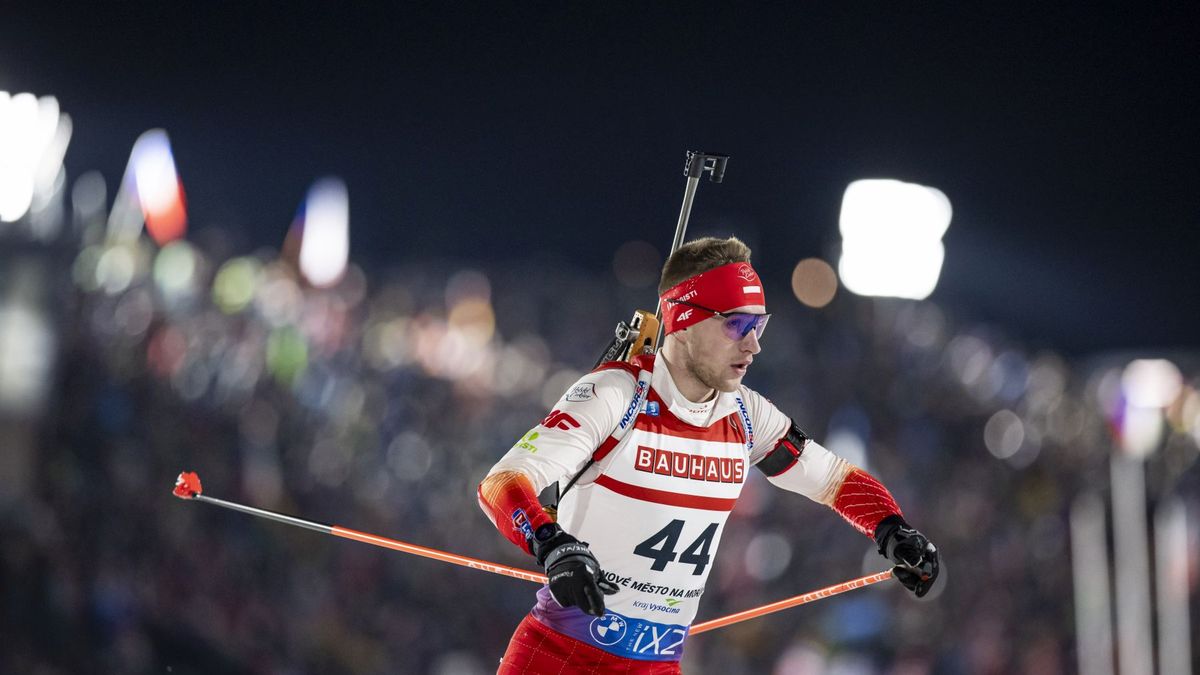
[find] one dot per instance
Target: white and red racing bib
(654, 505)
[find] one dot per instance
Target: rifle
(642, 333)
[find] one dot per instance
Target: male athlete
(673, 437)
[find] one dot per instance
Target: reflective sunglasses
(736, 325)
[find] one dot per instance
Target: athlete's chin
(729, 384)
(732, 379)
(723, 381)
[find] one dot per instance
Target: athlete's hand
(915, 557)
(575, 576)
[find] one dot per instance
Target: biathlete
(673, 436)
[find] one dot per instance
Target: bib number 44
(661, 545)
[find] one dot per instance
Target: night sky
(1066, 139)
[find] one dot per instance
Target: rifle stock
(630, 340)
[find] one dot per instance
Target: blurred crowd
(380, 402)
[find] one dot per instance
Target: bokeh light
(409, 456)
(386, 344)
(33, 140)
(83, 271)
(175, 269)
(814, 282)
(157, 186)
(278, 299)
(89, 197)
(287, 355)
(235, 284)
(768, 556)
(27, 346)
(1151, 383)
(892, 238)
(116, 268)
(1148, 386)
(1003, 434)
(325, 246)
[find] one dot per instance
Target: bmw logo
(607, 629)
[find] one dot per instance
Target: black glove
(575, 576)
(915, 557)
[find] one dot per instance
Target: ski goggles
(737, 325)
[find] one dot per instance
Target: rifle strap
(626, 423)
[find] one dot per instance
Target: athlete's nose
(750, 343)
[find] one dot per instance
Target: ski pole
(187, 486)
(811, 596)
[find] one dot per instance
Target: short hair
(701, 255)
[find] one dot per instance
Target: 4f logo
(560, 420)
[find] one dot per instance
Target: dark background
(1064, 137)
(515, 150)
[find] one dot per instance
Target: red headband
(720, 289)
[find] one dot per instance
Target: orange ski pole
(791, 602)
(187, 486)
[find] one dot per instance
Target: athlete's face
(715, 359)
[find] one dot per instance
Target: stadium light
(150, 194)
(325, 242)
(33, 139)
(1148, 386)
(27, 346)
(159, 191)
(892, 238)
